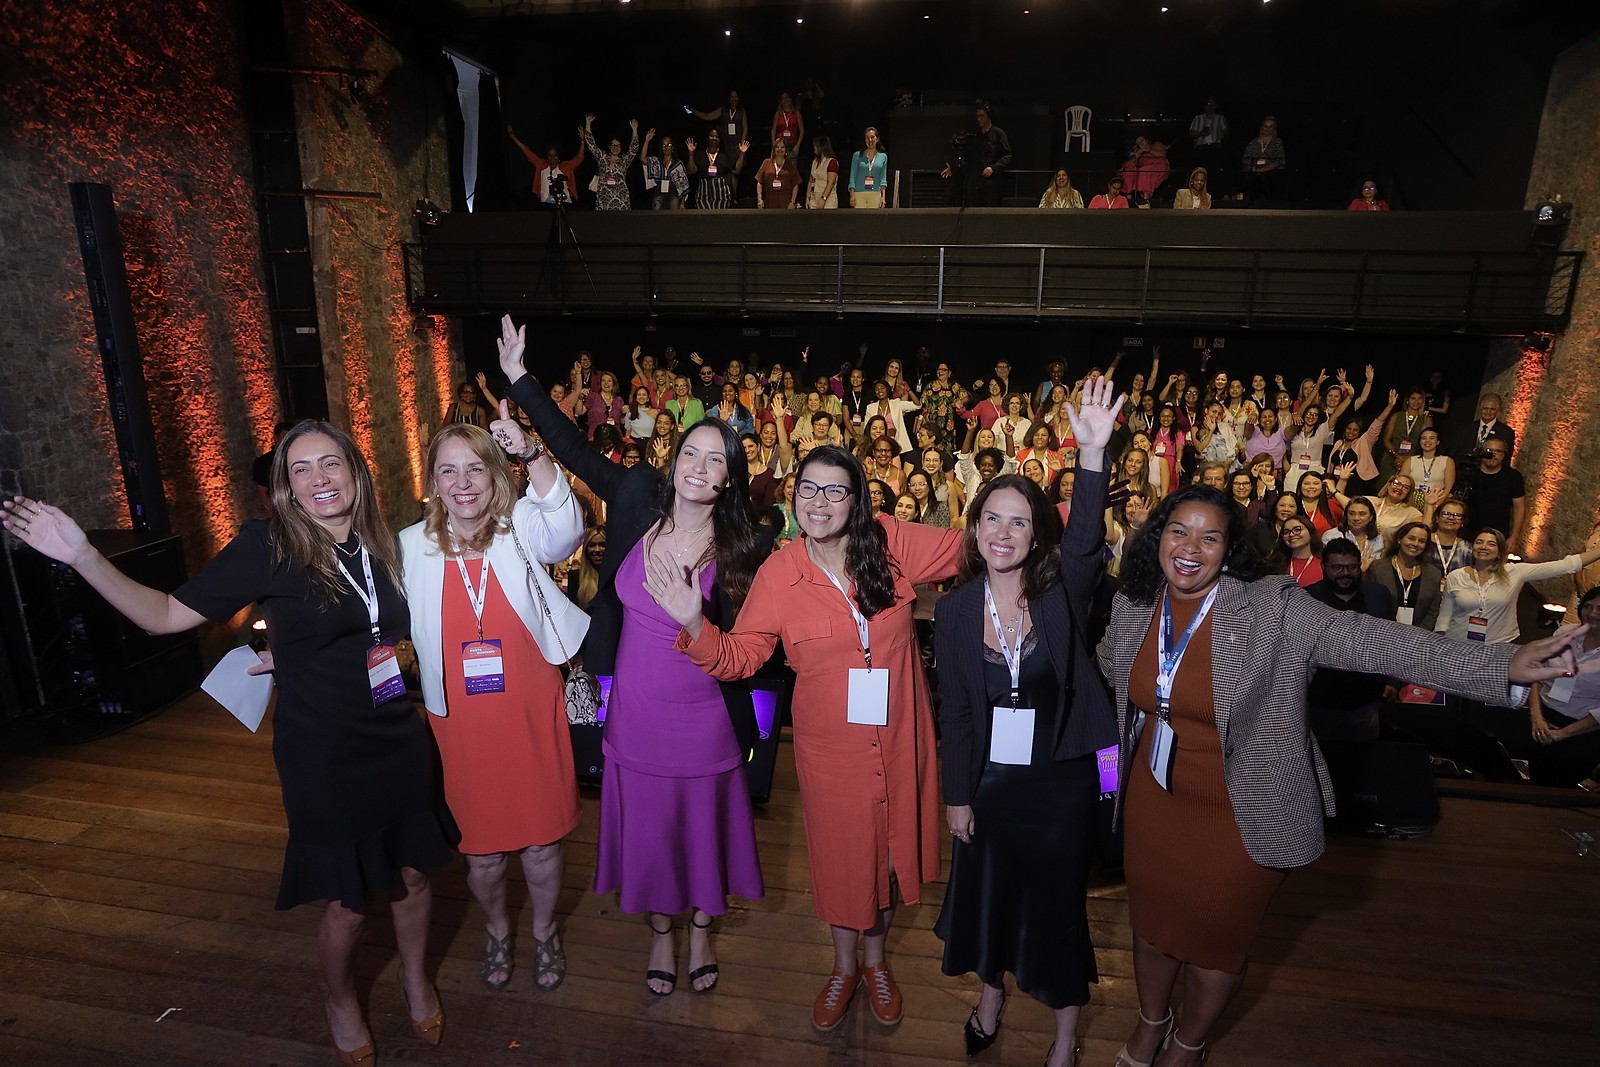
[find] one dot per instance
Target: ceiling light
(727, 33)
(799, 22)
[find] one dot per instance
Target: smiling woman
(1222, 786)
(354, 760)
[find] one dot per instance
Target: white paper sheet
(244, 695)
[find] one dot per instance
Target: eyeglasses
(832, 493)
(1340, 568)
(1457, 515)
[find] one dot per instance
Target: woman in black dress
(1021, 786)
(355, 760)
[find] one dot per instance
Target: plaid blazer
(1266, 639)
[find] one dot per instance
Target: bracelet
(533, 454)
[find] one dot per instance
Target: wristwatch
(534, 452)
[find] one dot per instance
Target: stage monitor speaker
(81, 666)
(95, 216)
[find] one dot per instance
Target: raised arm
(569, 444)
(526, 151)
(50, 531)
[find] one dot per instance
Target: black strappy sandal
(669, 977)
(710, 969)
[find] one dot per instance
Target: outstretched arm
(51, 532)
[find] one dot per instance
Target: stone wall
(150, 99)
(145, 98)
(1554, 401)
(390, 381)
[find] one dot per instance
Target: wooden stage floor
(137, 876)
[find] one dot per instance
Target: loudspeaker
(84, 668)
(95, 217)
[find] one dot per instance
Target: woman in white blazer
(490, 653)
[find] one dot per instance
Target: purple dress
(676, 829)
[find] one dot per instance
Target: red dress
(509, 778)
(868, 792)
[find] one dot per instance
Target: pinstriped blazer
(1267, 637)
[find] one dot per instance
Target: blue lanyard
(1170, 657)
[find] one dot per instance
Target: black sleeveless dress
(1016, 896)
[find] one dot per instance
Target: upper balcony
(1467, 272)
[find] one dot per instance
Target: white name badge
(867, 183)
(612, 179)
(777, 183)
(1261, 162)
(1011, 736)
(1561, 689)
(868, 702)
(1477, 628)
(482, 667)
(1305, 462)
(383, 675)
(1405, 615)
(1163, 747)
(666, 185)
(711, 170)
(733, 129)
(1405, 447)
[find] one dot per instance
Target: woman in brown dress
(1223, 788)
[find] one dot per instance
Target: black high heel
(709, 970)
(667, 978)
(977, 1040)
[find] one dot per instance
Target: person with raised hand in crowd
(715, 170)
(666, 178)
(612, 166)
(555, 180)
(677, 832)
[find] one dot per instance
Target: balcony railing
(1475, 292)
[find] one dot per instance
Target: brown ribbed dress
(1193, 891)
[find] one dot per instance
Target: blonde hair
(502, 491)
(298, 537)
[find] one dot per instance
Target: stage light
(727, 33)
(799, 22)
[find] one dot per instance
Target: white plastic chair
(1078, 118)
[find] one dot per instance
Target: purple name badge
(1107, 759)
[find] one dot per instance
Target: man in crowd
(1495, 492)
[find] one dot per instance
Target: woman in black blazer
(1021, 786)
(677, 832)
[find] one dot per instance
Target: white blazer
(550, 529)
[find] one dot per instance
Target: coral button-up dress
(868, 792)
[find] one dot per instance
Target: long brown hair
(1043, 565)
(736, 543)
(298, 537)
(502, 492)
(866, 555)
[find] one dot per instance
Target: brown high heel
(431, 1029)
(365, 1056)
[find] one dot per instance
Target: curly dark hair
(1043, 564)
(1142, 576)
(866, 560)
(738, 545)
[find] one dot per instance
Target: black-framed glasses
(806, 490)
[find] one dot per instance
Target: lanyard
(370, 597)
(475, 597)
(1013, 656)
(1406, 587)
(855, 612)
(1450, 560)
(1171, 657)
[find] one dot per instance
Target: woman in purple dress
(676, 830)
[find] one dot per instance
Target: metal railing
(1460, 291)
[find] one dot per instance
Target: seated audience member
(1360, 525)
(1342, 706)
(555, 180)
(1145, 170)
(1208, 128)
(1111, 198)
(1194, 196)
(1263, 163)
(1369, 200)
(1298, 552)
(1565, 714)
(1060, 193)
(1409, 576)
